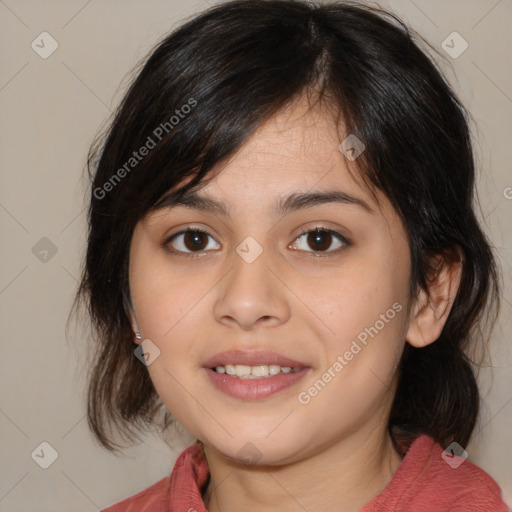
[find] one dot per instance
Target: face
(275, 272)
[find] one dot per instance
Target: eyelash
(197, 254)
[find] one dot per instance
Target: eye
(191, 240)
(320, 240)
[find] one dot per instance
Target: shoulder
(151, 499)
(459, 482)
(189, 474)
(430, 480)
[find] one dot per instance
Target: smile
(254, 387)
(254, 372)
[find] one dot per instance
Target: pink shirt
(424, 482)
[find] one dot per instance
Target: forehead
(292, 156)
(297, 149)
(298, 135)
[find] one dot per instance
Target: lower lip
(253, 389)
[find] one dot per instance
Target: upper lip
(251, 358)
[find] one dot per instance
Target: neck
(361, 465)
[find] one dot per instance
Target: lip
(251, 358)
(254, 389)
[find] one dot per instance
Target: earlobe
(431, 310)
(136, 331)
(137, 337)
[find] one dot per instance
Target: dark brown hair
(234, 66)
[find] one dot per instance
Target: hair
(235, 65)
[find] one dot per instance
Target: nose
(252, 295)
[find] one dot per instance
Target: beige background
(51, 110)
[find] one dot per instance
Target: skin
(293, 299)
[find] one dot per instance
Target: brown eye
(192, 240)
(195, 240)
(319, 240)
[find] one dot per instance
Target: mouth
(261, 371)
(251, 358)
(253, 375)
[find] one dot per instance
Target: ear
(431, 310)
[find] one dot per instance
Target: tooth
(274, 369)
(241, 370)
(254, 372)
(260, 371)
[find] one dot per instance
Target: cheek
(357, 377)
(171, 313)
(359, 295)
(363, 305)
(162, 296)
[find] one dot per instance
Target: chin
(251, 451)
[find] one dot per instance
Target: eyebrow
(284, 205)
